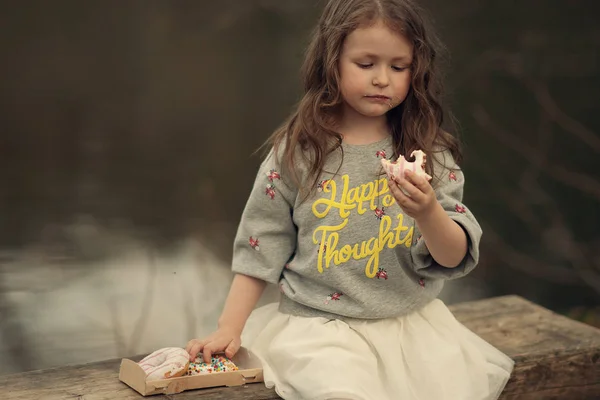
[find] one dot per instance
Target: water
(130, 303)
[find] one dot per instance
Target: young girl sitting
(360, 256)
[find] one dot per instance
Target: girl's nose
(380, 79)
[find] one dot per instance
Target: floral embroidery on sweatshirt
(270, 191)
(333, 297)
(272, 175)
(321, 185)
(254, 243)
(382, 274)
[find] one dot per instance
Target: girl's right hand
(224, 339)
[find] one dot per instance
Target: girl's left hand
(421, 200)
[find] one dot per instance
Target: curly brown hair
(414, 124)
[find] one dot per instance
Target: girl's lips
(378, 99)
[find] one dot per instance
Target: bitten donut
(169, 362)
(398, 167)
(217, 364)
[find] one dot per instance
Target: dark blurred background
(126, 157)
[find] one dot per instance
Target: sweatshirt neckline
(361, 148)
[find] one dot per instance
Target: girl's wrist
(231, 326)
(434, 216)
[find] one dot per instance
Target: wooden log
(556, 358)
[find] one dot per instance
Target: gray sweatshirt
(348, 251)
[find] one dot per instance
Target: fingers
(402, 198)
(220, 341)
(233, 348)
(410, 189)
(413, 193)
(189, 345)
(216, 346)
(419, 182)
(208, 351)
(194, 347)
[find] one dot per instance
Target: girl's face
(374, 70)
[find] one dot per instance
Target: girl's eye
(399, 69)
(364, 66)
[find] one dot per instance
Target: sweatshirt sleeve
(449, 183)
(266, 237)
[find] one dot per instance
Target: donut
(165, 363)
(218, 364)
(400, 166)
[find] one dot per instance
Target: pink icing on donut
(400, 166)
(165, 363)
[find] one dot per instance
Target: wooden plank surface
(100, 381)
(556, 358)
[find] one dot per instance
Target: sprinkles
(217, 364)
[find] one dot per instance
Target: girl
(360, 258)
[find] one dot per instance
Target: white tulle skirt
(427, 355)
